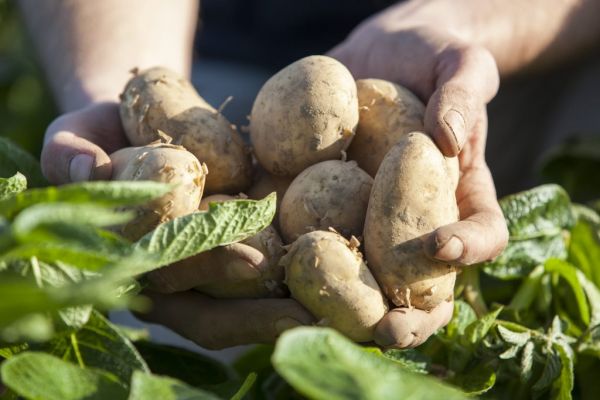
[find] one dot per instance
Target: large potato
(332, 194)
(413, 194)
(158, 102)
(260, 253)
(304, 114)
(160, 163)
(387, 112)
(328, 276)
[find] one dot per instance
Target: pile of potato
(349, 163)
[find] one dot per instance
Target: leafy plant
(525, 325)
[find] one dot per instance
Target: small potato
(158, 103)
(413, 194)
(304, 114)
(327, 275)
(160, 163)
(328, 194)
(260, 253)
(387, 112)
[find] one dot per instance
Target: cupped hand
(77, 144)
(219, 323)
(456, 80)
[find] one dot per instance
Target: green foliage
(322, 364)
(61, 266)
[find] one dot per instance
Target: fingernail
(456, 123)
(452, 250)
(242, 270)
(286, 323)
(80, 168)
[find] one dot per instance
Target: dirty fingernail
(456, 123)
(80, 168)
(286, 323)
(452, 250)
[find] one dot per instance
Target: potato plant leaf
(42, 376)
(410, 359)
(113, 193)
(222, 224)
(569, 274)
(536, 219)
(14, 159)
(190, 367)
(98, 344)
(321, 364)
(13, 185)
(476, 381)
(145, 386)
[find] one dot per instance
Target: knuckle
(162, 281)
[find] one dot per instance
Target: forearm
(87, 48)
(519, 33)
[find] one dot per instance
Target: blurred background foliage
(26, 107)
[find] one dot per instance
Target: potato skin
(387, 112)
(160, 163)
(413, 194)
(304, 114)
(158, 102)
(262, 251)
(328, 276)
(332, 194)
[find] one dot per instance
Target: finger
(216, 324)
(403, 328)
(221, 265)
(467, 80)
(481, 234)
(76, 144)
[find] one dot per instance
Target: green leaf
(410, 359)
(321, 364)
(584, 248)
(476, 381)
(13, 159)
(52, 214)
(527, 361)
(145, 386)
(13, 185)
(518, 339)
(463, 316)
(115, 193)
(569, 274)
(536, 219)
(477, 330)
(551, 372)
(593, 295)
(222, 224)
(563, 386)
(42, 376)
(190, 367)
(100, 345)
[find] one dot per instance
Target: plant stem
(472, 290)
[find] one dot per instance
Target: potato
(160, 163)
(304, 114)
(158, 103)
(332, 194)
(327, 275)
(261, 251)
(413, 194)
(387, 112)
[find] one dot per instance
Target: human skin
(449, 52)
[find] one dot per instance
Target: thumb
(68, 158)
(76, 144)
(467, 80)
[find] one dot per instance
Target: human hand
(456, 80)
(77, 144)
(219, 323)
